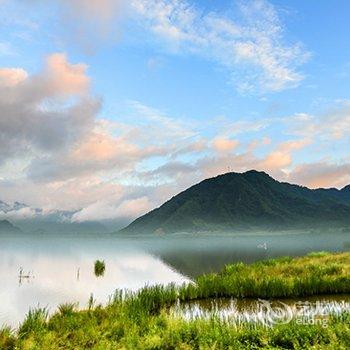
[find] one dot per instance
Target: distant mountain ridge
(247, 201)
(6, 226)
(30, 219)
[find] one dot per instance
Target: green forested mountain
(248, 201)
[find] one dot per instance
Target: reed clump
(99, 268)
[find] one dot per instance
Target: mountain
(47, 227)
(249, 201)
(4, 207)
(6, 226)
(30, 219)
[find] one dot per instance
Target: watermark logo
(303, 313)
(272, 315)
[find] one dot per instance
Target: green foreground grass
(141, 320)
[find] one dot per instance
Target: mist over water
(48, 270)
(193, 255)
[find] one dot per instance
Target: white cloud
(155, 120)
(249, 39)
(44, 112)
(20, 214)
(104, 210)
(223, 144)
(237, 127)
(331, 125)
(252, 47)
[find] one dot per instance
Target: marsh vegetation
(141, 319)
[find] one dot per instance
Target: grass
(315, 274)
(99, 268)
(140, 320)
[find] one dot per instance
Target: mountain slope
(252, 200)
(6, 226)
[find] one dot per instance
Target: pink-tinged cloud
(281, 157)
(64, 77)
(277, 160)
(103, 147)
(10, 77)
(223, 144)
(322, 174)
(94, 10)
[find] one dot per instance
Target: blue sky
(137, 100)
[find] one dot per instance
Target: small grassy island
(99, 268)
(142, 320)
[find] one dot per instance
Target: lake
(48, 270)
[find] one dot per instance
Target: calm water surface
(60, 268)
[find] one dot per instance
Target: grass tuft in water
(99, 268)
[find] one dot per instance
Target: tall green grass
(276, 278)
(8, 339)
(110, 329)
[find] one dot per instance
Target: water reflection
(266, 312)
(48, 270)
(25, 276)
(62, 270)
